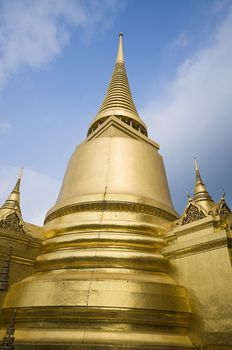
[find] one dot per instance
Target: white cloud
(38, 192)
(192, 116)
(4, 126)
(33, 32)
(180, 42)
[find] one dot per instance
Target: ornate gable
(13, 222)
(192, 213)
(224, 211)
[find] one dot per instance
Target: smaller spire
(201, 194)
(13, 201)
(223, 195)
(120, 56)
(17, 185)
(195, 164)
(198, 176)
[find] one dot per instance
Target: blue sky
(56, 60)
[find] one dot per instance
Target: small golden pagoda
(20, 243)
(114, 265)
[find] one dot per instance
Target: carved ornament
(224, 212)
(192, 213)
(12, 223)
(111, 207)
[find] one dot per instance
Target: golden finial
(195, 163)
(120, 57)
(223, 195)
(198, 176)
(13, 201)
(21, 172)
(17, 185)
(201, 194)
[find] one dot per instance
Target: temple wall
(25, 249)
(200, 261)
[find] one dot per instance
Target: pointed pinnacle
(17, 185)
(118, 100)
(200, 192)
(21, 172)
(198, 176)
(13, 201)
(223, 195)
(120, 57)
(195, 163)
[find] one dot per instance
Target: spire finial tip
(21, 172)
(120, 58)
(195, 163)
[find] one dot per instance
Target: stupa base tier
(98, 318)
(100, 328)
(33, 346)
(57, 309)
(87, 338)
(50, 290)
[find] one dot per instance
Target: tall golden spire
(201, 195)
(13, 201)
(120, 56)
(118, 100)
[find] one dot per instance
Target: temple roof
(118, 99)
(202, 205)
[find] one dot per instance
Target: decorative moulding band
(196, 248)
(111, 207)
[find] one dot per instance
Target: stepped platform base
(33, 346)
(95, 347)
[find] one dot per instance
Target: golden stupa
(103, 279)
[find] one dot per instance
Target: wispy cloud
(33, 32)
(38, 192)
(192, 115)
(4, 126)
(180, 42)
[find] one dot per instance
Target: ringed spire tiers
(118, 99)
(13, 201)
(201, 195)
